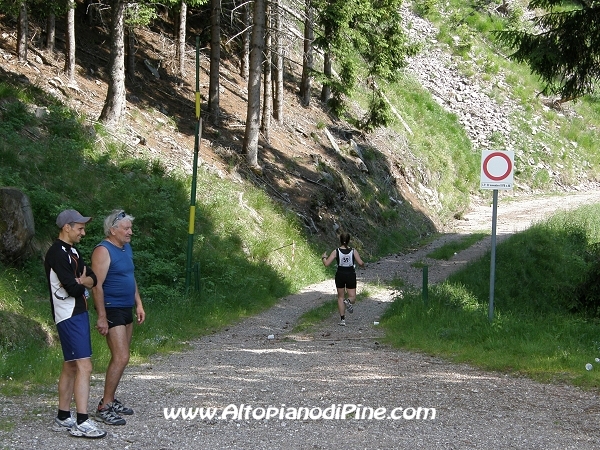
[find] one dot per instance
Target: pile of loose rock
(483, 117)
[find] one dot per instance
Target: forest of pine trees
(562, 47)
(262, 31)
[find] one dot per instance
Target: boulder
(16, 225)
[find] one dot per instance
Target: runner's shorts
(119, 316)
(75, 337)
(345, 279)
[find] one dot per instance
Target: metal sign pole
(497, 171)
(192, 219)
(493, 256)
(425, 292)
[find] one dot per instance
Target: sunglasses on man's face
(120, 216)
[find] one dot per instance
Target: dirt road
(320, 388)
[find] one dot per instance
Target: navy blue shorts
(119, 316)
(75, 337)
(345, 279)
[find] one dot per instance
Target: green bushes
(425, 7)
(587, 295)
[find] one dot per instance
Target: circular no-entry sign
(497, 169)
(497, 166)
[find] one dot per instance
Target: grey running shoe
(120, 408)
(349, 306)
(108, 416)
(88, 429)
(63, 425)
(342, 323)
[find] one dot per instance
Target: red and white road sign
(497, 169)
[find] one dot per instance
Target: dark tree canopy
(564, 48)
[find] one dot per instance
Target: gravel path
(329, 370)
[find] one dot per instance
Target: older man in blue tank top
(115, 295)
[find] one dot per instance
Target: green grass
(247, 256)
(310, 319)
(418, 264)
(535, 330)
(448, 250)
(446, 163)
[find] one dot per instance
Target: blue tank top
(119, 284)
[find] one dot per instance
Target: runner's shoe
(120, 408)
(117, 407)
(349, 306)
(108, 416)
(88, 429)
(342, 323)
(63, 425)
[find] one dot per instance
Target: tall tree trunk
(181, 36)
(70, 44)
(245, 56)
(253, 113)
(326, 90)
(307, 62)
(22, 32)
(329, 38)
(114, 105)
(130, 52)
(50, 32)
(267, 80)
(278, 64)
(215, 57)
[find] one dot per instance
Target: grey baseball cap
(70, 216)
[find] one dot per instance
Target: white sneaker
(63, 425)
(342, 323)
(88, 429)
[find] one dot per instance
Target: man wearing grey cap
(69, 280)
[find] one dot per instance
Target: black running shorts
(119, 316)
(345, 279)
